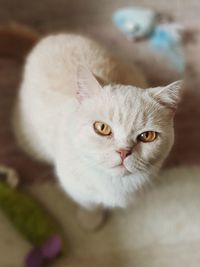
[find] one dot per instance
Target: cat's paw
(91, 220)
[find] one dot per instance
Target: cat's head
(123, 129)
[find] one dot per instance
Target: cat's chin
(120, 170)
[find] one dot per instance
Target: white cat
(104, 141)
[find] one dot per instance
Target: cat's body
(55, 124)
(50, 79)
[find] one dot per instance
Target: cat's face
(122, 129)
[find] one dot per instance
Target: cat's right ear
(87, 85)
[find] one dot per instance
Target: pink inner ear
(86, 83)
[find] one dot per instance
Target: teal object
(167, 41)
(135, 22)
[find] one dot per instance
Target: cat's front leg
(91, 219)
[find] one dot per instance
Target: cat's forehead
(131, 109)
(125, 107)
(121, 95)
(125, 104)
(117, 106)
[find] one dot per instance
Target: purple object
(34, 258)
(49, 250)
(52, 247)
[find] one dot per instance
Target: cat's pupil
(102, 127)
(145, 135)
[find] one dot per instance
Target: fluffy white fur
(58, 103)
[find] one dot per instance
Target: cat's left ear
(169, 95)
(87, 85)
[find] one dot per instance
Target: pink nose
(124, 153)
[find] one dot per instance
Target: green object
(27, 215)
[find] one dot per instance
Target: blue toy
(164, 38)
(167, 40)
(135, 22)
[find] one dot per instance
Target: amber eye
(102, 128)
(146, 137)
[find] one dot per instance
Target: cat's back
(54, 60)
